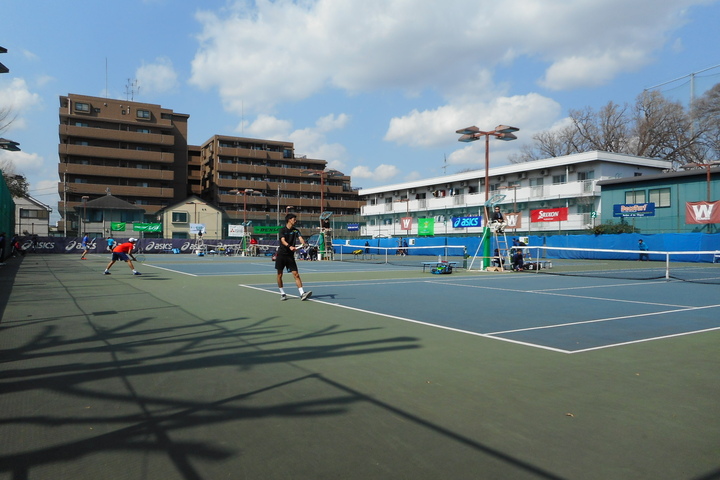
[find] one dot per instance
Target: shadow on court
(197, 378)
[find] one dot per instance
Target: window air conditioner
(571, 168)
(501, 178)
(544, 171)
(412, 190)
(522, 175)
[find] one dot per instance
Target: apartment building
(568, 182)
(138, 152)
(259, 181)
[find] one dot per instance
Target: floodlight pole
(471, 134)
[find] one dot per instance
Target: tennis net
(691, 266)
(413, 256)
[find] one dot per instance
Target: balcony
(116, 135)
(96, 189)
(115, 153)
(115, 172)
(587, 188)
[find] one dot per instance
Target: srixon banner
(549, 215)
(702, 212)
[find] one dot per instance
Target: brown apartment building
(261, 180)
(139, 153)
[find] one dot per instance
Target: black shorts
(285, 261)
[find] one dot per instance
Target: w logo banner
(406, 223)
(702, 212)
(513, 220)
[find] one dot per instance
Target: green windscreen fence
(7, 209)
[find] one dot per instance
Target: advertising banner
(514, 220)
(147, 227)
(549, 215)
(353, 227)
(426, 226)
(463, 222)
(634, 210)
(406, 223)
(702, 212)
(236, 230)
(266, 230)
(196, 228)
(117, 226)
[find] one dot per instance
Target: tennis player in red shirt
(124, 252)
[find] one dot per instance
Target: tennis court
(197, 370)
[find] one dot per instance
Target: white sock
(282, 291)
(300, 289)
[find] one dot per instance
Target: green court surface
(197, 370)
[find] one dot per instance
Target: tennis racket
(140, 258)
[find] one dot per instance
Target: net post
(667, 265)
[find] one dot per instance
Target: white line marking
(609, 319)
(395, 317)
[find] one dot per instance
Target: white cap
(133, 240)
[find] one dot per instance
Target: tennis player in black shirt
(289, 236)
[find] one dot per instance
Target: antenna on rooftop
(130, 88)
(445, 165)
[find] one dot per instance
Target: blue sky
(375, 87)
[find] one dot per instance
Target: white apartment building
(569, 181)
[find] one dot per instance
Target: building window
(40, 214)
(82, 107)
(180, 217)
(635, 196)
(143, 114)
(589, 175)
(558, 179)
(659, 196)
(81, 124)
(143, 130)
(537, 182)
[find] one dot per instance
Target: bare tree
(6, 118)
(663, 130)
(653, 127)
(706, 113)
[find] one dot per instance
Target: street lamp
(707, 166)
(501, 132)
(84, 222)
(471, 134)
(9, 145)
(245, 221)
(322, 174)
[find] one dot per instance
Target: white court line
(169, 270)
(643, 340)
(608, 319)
(494, 335)
(410, 320)
(584, 297)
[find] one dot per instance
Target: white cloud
(579, 71)
(16, 98)
(381, 173)
(23, 163)
(533, 112)
(282, 50)
(310, 141)
(158, 77)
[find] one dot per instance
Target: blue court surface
(562, 314)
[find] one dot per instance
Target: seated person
(517, 260)
(497, 221)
